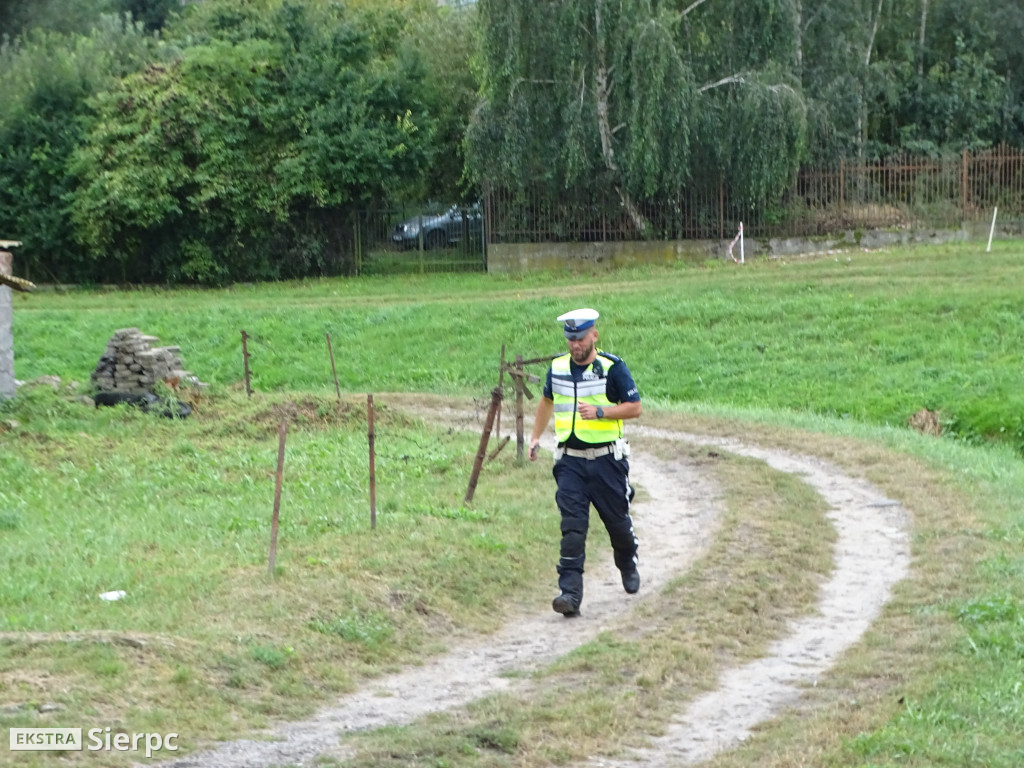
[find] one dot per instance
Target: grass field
(870, 336)
(826, 355)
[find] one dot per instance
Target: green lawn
(871, 336)
(826, 355)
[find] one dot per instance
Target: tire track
(675, 525)
(872, 554)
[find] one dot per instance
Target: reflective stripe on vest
(566, 392)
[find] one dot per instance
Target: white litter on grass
(111, 596)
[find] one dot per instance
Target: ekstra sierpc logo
(46, 739)
(95, 740)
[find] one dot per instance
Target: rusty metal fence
(897, 192)
(416, 239)
(900, 191)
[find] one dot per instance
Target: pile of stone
(132, 365)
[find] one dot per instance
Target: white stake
(741, 242)
(992, 230)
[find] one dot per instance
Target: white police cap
(578, 322)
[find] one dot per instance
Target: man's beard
(580, 358)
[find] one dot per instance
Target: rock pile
(132, 365)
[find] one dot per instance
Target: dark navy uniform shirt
(620, 387)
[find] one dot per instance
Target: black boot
(631, 581)
(567, 605)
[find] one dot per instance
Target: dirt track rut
(674, 525)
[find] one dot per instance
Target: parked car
(442, 230)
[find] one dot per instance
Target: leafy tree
(18, 17)
(637, 95)
(441, 44)
(890, 75)
(985, 38)
(152, 14)
(243, 159)
(45, 81)
(958, 105)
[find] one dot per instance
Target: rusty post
(282, 432)
(963, 184)
(334, 370)
(721, 208)
(842, 185)
(245, 360)
(482, 450)
(373, 470)
(520, 386)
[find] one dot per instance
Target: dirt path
(872, 554)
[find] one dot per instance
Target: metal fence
(418, 239)
(899, 191)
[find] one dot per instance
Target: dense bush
(45, 82)
(241, 159)
(236, 146)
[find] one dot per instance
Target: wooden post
(8, 385)
(245, 360)
(373, 470)
(482, 450)
(333, 369)
(282, 432)
(520, 385)
(501, 385)
(491, 456)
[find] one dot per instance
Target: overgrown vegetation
(234, 140)
(177, 515)
(237, 144)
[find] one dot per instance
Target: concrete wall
(7, 386)
(505, 258)
(508, 258)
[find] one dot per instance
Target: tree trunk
(874, 31)
(603, 89)
(798, 22)
(924, 22)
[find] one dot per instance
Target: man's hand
(587, 411)
(534, 444)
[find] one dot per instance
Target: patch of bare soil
(926, 422)
(674, 523)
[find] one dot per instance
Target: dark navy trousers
(603, 482)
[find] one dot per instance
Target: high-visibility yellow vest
(592, 389)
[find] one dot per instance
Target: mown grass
(817, 353)
(609, 693)
(870, 336)
(935, 682)
(177, 514)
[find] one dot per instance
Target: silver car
(458, 223)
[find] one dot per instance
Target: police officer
(590, 393)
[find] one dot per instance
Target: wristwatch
(600, 412)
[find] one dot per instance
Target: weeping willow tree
(638, 96)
